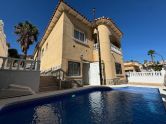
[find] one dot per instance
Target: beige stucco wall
(3, 45)
(72, 50)
(62, 47)
(35, 55)
(109, 58)
(105, 50)
(119, 59)
(53, 54)
(95, 55)
(131, 66)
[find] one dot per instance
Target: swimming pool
(128, 105)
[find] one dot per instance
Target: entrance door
(85, 73)
(94, 77)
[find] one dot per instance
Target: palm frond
(27, 34)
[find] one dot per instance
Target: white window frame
(78, 40)
(74, 75)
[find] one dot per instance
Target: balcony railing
(113, 48)
(116, 49)
(7, 63)
(95, 46)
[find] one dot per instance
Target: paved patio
(11, 93)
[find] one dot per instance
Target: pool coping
(12, 101)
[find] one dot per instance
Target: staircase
(49, 83)
(55, 81)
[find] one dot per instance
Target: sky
(143, 22)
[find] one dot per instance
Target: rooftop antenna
(94, 13)
(98, 41)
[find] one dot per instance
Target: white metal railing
(116, 49)
(7, 63)
(95, 46)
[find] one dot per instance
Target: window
(73, 68)
(80, 36)
(118, 68)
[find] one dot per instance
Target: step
(44, 89)
(47, 77)
(49, 83)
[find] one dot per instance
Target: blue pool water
(129, 105)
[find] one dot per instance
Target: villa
(3, 43)
(132, 66)
(70, 44)
(76, 51)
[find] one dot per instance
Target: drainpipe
(99, 50)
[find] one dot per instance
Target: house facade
(70, 43)
(3, 43)
(132, 66)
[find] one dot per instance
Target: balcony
(113, 48)
(116, 49)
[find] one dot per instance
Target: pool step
(48, 83)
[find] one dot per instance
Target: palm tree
(27, 34)
(151, 53)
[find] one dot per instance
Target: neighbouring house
(153, 66)
(28, 57)
(70, 44)
(3, 43)
(163, 62)
(132, 66)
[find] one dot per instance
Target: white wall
(19, 77)
(94, 75)
(147, 77)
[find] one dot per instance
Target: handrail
(95, 46)
(59, 73)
